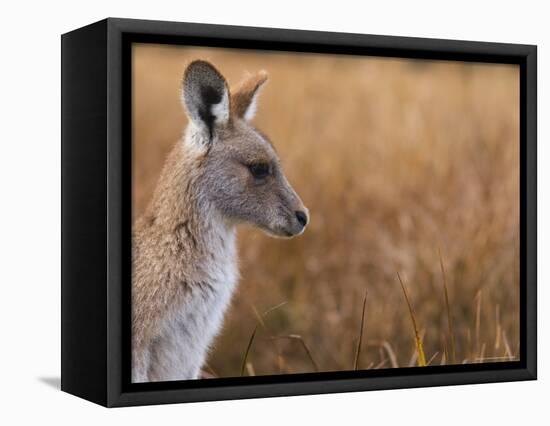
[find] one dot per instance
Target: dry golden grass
(398, 161)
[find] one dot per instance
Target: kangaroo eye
(259, 170)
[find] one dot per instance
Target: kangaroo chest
(182, 346)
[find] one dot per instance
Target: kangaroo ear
(244, 96)
(205, 96)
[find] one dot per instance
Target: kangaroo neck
(180, 210)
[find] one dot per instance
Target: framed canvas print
(253, 212)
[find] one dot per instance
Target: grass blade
(391, 354)
(508, 352)
(448, 308)
(432, 358)
(253, 335)
(250, 341)
(419, 348)
(306, 349)
(360, 340)
(498, 328)
(250, 369)
(479, 295)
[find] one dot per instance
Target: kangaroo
(221, 173)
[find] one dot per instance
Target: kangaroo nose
(302, 217)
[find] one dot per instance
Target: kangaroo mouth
(290, 231)
(279, 233)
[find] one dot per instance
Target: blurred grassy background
(395, 159)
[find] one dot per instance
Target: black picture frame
(96, 211)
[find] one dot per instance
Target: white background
(30, 211)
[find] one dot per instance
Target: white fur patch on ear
(250, 112)
(221, 110)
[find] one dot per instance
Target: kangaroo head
(240, 172)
